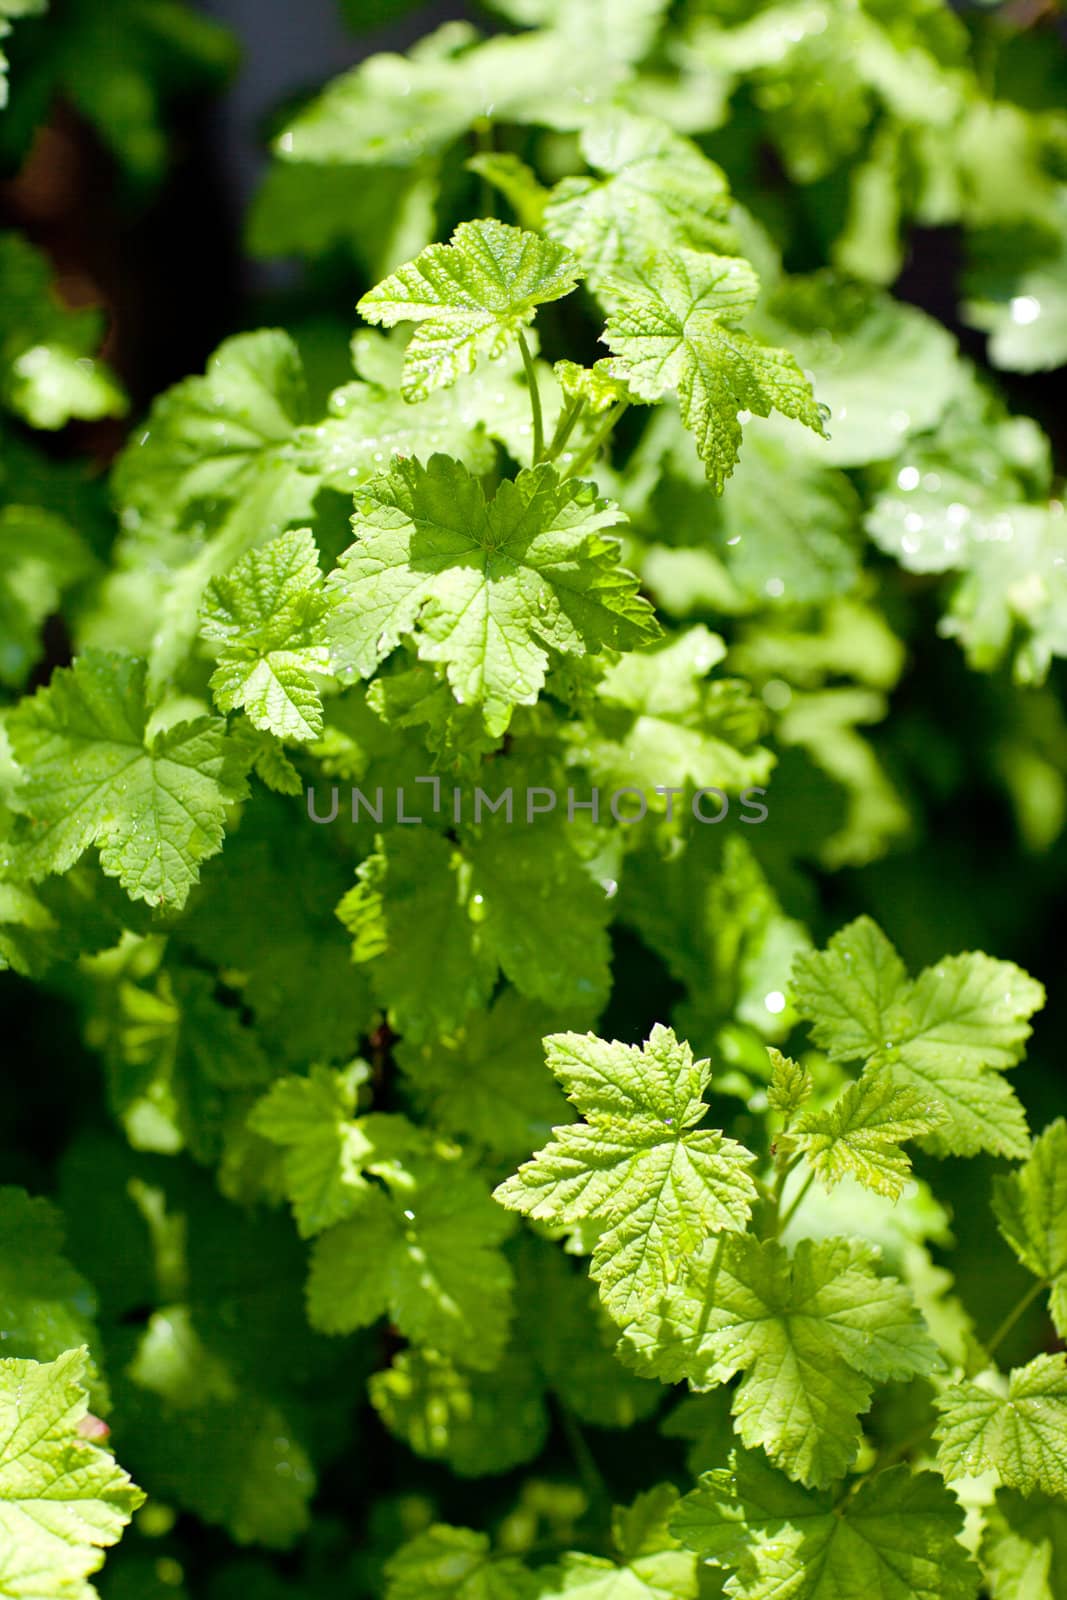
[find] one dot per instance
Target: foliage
(502, 813)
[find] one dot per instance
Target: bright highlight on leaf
(63, 1499)
(471, 299)
(427, 1252)
(811, 1333)
(486, 587)
(657, 193)
(1021, 1434)
(325, 1149)
(860, 1135)
(93, 772)
(672, 325)
(947, 1035)
(897, 1536)
(639, 1166)
(267, 616)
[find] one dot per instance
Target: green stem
(564, 427)
(777, 1190)
(535, 400)
(1014, 1315)
(794, 1205)
(603, 433)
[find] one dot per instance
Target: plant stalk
(535, 400)
(1017, 1311)
(794, 1205)
(602, 435)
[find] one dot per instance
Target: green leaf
(325, 1150)
(973, 498)
(571, 1339)
(861, 1133)
(1014, 591)
(63, 1500)
(268, 760)
(395, 111)
(435, 921)
(651, 1564)
(811, 1334)
(487, 1081)
(517, 182)
(712, 917)
(656, 192)
(897, 1536)
(595, 385)
(658, 713)
(48, 373)
(210, 438)
(639, 1165)
(179, 1062)
(46, 1307)
(410, 916)
(1031, 1211)
(484, 1423)
(95, 773)
(215, 472)
(471, 299)
(427, 1253)
(884, 370)
(455, 1562)
(947, 1035)
(369, 423)
(380, 215)
(1017, 293)
(267, 616)
(808, 551)
(1019, 1434)
(820, 79)
(279, 940)
(208, 1439)
(487, 588)
(480, 1423)
(671, 326)
(1023, 1547)
(623, 29)
(391, 111)
(953, 489)
(42, 557)
(790, 1086)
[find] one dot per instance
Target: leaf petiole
(1017, 1311)
(794, 1205)
(565, 427)
(600, 438)
(535, 400)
